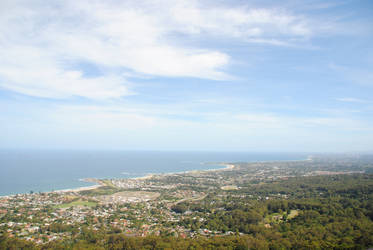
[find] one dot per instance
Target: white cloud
(242, 21)
(43, 43)
(31, 71)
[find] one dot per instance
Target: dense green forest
(320, 212)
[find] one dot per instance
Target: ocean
(23, 171)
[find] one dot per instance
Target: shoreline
(225, 166)
(98, 184)
(67, 190)
(76, 189)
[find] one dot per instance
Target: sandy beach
(148, 176)
(98, 182)
(77, 189)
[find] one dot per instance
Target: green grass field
(293, 213)
(277, 217)
(105, 190)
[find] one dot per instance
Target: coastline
(98, 183)
(145, 177)
(77, 189)
(67, 190)
(227, 166)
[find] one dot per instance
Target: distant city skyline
(288, 76)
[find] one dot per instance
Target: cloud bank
(46, 47)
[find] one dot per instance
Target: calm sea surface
(41, 171)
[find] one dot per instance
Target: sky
(235, 75)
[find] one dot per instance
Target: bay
(22, 171)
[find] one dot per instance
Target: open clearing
(129, 196)
(230, 187)
(77, 203)
(292, 214)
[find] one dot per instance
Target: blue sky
(187, 75)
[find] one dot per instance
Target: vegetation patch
(293, 213)
(104, 190)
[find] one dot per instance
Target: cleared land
(77, 203)
(129, 196)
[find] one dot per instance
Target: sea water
(23, 171)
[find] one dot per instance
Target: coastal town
(177, 204)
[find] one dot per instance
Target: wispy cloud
(138, 119)
(273, 121)
(361, 76)
(351, 99)
(39, 42)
